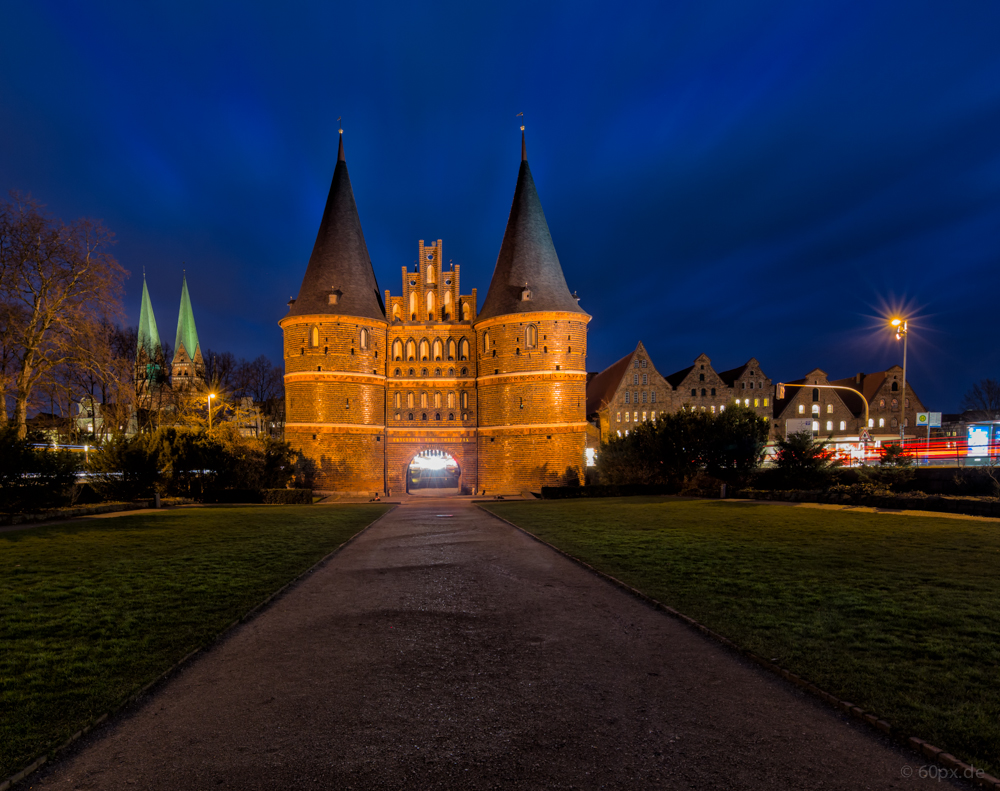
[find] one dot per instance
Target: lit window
(871, 423)
(722, 408)
(765, 402)
(829, 409)
(652, 415)
(643, 417)
(746, 402)
(802, 408)
(314, 336)
(881, 422)
(465, 400)
(815, 409)
(756, 402)
(635, 417)
(531, 336)
(463, 349)
(843, 425)
(589, 455)
(363, 341)
(628, 416)
(619, 418)
(423, 399)
(619, 434)
(829, 425)
(815, 425)
(713, 409)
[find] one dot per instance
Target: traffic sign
(923, 418)
(865, 436)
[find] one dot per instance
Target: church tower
(531, 338)
(188, 366)
(149, 350)
(334, 349)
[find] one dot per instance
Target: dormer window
(334, 297)
(525, 293)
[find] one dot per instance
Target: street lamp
(900, 326)
(210, 397)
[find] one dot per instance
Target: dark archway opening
(433, 472)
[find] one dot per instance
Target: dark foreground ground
(454, 652)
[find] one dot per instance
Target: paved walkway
(444, 649)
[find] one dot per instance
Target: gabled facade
(883, 391)
(823, 410)
(628, 392)
(188, 365)
(699, 387)
(750, 387)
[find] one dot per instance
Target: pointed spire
(149, 337)
(528, 277)
(339, 278)
(187, 333)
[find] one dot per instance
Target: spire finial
(524, 149)
(340, 150)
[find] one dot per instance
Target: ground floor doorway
(433, 473)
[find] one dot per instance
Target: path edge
(47, 756)
(965, 771)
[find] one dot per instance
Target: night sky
(740, 179)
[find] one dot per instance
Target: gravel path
(455, 652)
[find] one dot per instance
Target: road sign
(923, 418)
(865, 436)
(935, 421)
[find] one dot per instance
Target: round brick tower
(335, 344)
(531, 338)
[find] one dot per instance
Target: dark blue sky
(740, 179)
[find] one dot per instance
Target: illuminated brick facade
(370, 384)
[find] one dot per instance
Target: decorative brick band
(340, 376)
(431, 432)
(338, 428)
(528, 318)
(540, 428)
(335, 318)
(529, 375)
(928, 751)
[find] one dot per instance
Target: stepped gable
(527, 259)
(149, 336)
(187, 333)
(340, 279)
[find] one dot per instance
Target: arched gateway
(433, 473)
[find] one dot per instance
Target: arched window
(531, 336)
(314, 336)
(437, 415)
(894, 403)
(397, 349)
(907, 403)
(463, 349)
(438, 349)
(843, 425)
(703, 393)
(398, 372)
(486, 341)
(430, 305)
(425, 349)
(409, 416)
(465, 372)
(411, 350)
(398, 400)
(447, 305)
(409, 401)
(437, 400)
(829, 409)
(881, 422)
(451, 400)
(465, 400)
(694, 392)
(423, 372)
(871, 422)
(396, 316)
(895, 386)
(363, 339)
(451, 349)
(802, 408)
(829, 425)
(423, 416)
(411, 372)
(881, 402)
(895, 423)
(713, 391)
(466, 311)
(815, 409)
(430, 273)
(423, 400)
(437, 371)
(413, 306)
(451, 416)
(815, 394)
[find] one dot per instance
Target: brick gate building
(371, 384)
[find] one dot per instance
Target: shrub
(288, 496)
(803, 463)
(126, 468)
(30, 479)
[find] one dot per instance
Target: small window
(829, 425)
(628, 416)
(843, 425)
(465, 371)
(423, 416)
(895, 386)
(881, 422)
(815, 394)
(694, 392)
(802, 408)
(652, 397)
(411, 372)
(713, 391)
(463, 349)
(829, 409)
(619, 418)
(701, 377)
(871, 423)
(409, 416)
(635, 364)
(644, 396)
(643, 363)
(314, 337)
(644, 415)
(437, 371)
(645, 379)
(895, 423)
(531, 336)
(486, 341)
(451, 416)
(815, 409)
(628, 395)
(894, 403)
(907, 403)
(363, 339)
(397, 372)
(465, 400)
(703, 393)
(756, 402)
(437, 415)
(423, 372)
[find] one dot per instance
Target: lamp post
(210, 397)
(900, 326)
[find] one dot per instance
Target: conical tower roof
(340, 263)
(149, 337)
(527, 259)
(187, 333)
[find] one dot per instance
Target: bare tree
(221, 370)
(983, 399)
(59, 287)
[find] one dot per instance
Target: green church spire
(187, 333)
(149, 338)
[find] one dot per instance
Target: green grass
(91, 612)
(898, 614)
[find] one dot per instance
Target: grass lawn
(90, 612)
(899, 615)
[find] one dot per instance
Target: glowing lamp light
(896, 322)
